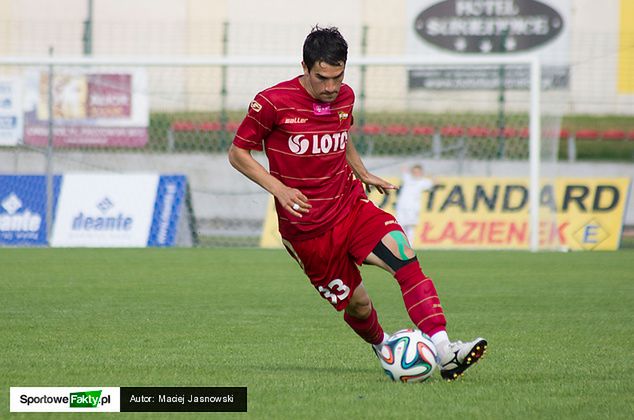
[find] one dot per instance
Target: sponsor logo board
(89, 109)
(492, 213)
(11, 113)
(23, 206)
(105, 210)
(111, 210)
(170, 198)
(482, 27)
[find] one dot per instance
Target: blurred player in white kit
(408, 204)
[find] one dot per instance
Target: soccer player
(409, 200)
(325, 219)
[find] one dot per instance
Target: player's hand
(380, 184)
(293, 201)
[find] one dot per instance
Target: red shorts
(330, 260)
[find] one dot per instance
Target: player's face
(323, 80)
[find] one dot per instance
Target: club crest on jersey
(300, 143)
(342, 116)
(256, 106)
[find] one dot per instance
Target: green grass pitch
(560, 328)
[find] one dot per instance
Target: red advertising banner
(89, 109)
(109, 96)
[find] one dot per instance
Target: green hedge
(217, 142)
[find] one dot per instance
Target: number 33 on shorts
(335, 291)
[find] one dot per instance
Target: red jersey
(305, 142)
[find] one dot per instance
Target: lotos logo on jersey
(298, 144)
(319, 144)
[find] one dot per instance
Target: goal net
(485, 130)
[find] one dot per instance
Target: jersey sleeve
(257, 124)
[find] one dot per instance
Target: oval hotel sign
(488, 26)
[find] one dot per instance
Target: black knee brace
(385, 255)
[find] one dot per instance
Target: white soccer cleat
(456, 357)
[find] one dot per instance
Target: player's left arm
(361, 172)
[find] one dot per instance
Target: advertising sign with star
(483, 27)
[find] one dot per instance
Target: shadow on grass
(335, 370)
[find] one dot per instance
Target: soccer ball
(408, 356)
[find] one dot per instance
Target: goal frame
(224, 61)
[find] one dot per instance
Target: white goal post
(531, 61)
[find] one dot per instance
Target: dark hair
(325, 44)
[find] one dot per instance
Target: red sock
(421, 299)
(369, 329)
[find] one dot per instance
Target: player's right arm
(245, 163)
(253, 131)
